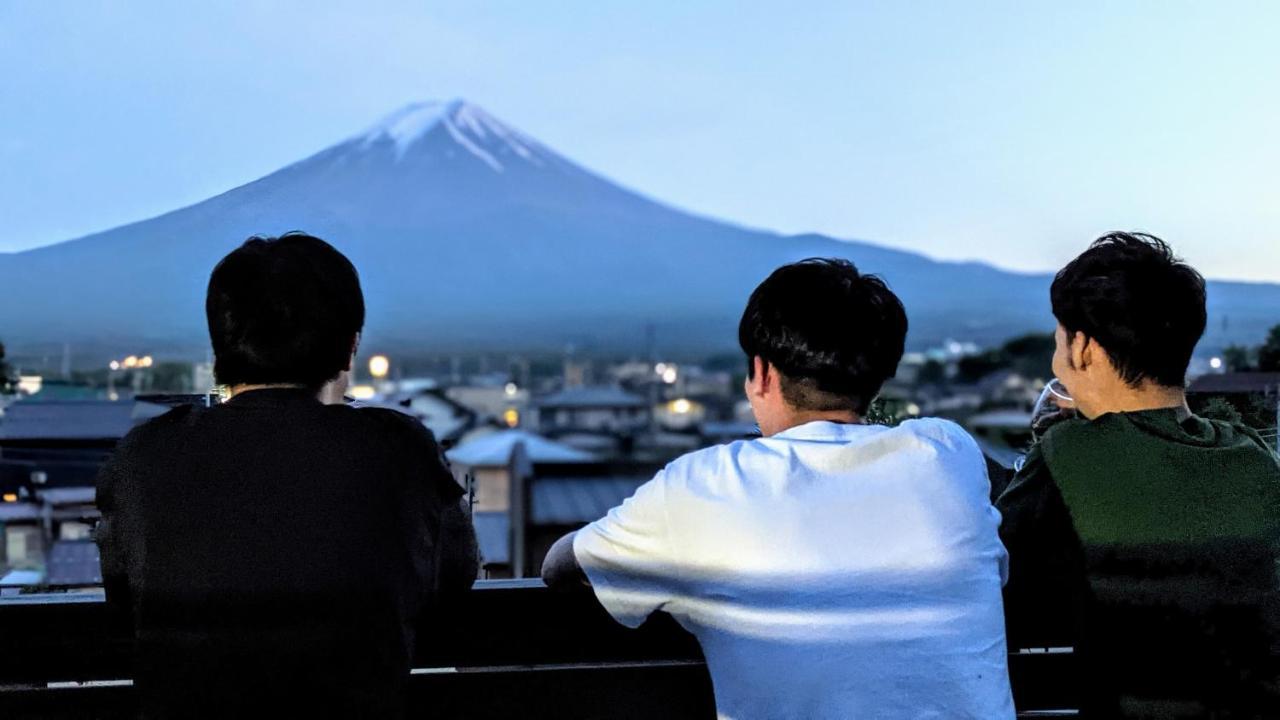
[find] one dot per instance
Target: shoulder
(158, 431)
(941, 433)
(1066, 437)
(396, 426)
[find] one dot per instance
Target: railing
(511, 649)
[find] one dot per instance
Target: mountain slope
(469, 234)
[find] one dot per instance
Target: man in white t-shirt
(832, 568)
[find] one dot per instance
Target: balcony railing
(508, 649)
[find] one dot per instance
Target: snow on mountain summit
(476, 131)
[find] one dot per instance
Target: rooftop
(593, 397)
(74, 419)
(495, 449)
(1236, 382)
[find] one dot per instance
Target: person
(832, 568)
(276, 552)
(1138, 533)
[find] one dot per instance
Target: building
(604, 420)
(483, 462)
(504, 403)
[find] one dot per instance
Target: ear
(1083, 351)
(768, 376)
(759, 381)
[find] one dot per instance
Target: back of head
(834, 334)
(1141, 303)
(283, 310)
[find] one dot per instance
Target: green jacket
(1147, 539)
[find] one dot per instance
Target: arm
(560, 569)
(113, 489)
(1046, 562)
(458, 557)
(626, 557)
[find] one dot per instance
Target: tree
(6, 375)
(1031, 356)
(1220, 408)
(932, 373)
(1236, 358)
(1269, 353)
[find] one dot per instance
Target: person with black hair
(832, 568)
(1138, 533)
(275, 553)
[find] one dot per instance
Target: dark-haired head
(833, 334)
(283, 310)
(1145, 307)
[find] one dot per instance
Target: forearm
(560, 569)
(459, 557)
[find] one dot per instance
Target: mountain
(469, 234)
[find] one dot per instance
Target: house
(487, 457)
(447, 419)
(63, 443)
(593, 410)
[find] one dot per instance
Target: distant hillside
(471, 235)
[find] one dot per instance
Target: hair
(1140, 302)
(283, 310)
(834, 334)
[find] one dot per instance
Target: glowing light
(362, 392)
(511, 417)
(1215, 363)
(681, 406)
(669, 375)
(131, 361)
(145, 361)
(379, 366)
(660, 368)
(11, 497)
(913, 409)
(115, 365)
(511, 389)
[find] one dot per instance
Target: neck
(844, 417)
(235, 390)
(1147, 397)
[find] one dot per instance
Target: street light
(379, 366)
(131, 361)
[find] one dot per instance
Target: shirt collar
(274, 397)
(824, 430)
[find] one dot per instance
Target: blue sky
(1011, 132)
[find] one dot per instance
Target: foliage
(1237, 358)
(1028, 355)
(1220, 408)
(1269, 353)
(932, 373)
(170, 377)
(6, 374)
(1256, 411)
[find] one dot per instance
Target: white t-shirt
(830, 571)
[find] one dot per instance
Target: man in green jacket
(1138, 533)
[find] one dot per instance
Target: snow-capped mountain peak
(477, 132)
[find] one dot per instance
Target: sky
(1009, 132)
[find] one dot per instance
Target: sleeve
(1046, 563)
(114, 494)
(627, 555)
(458, 551)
